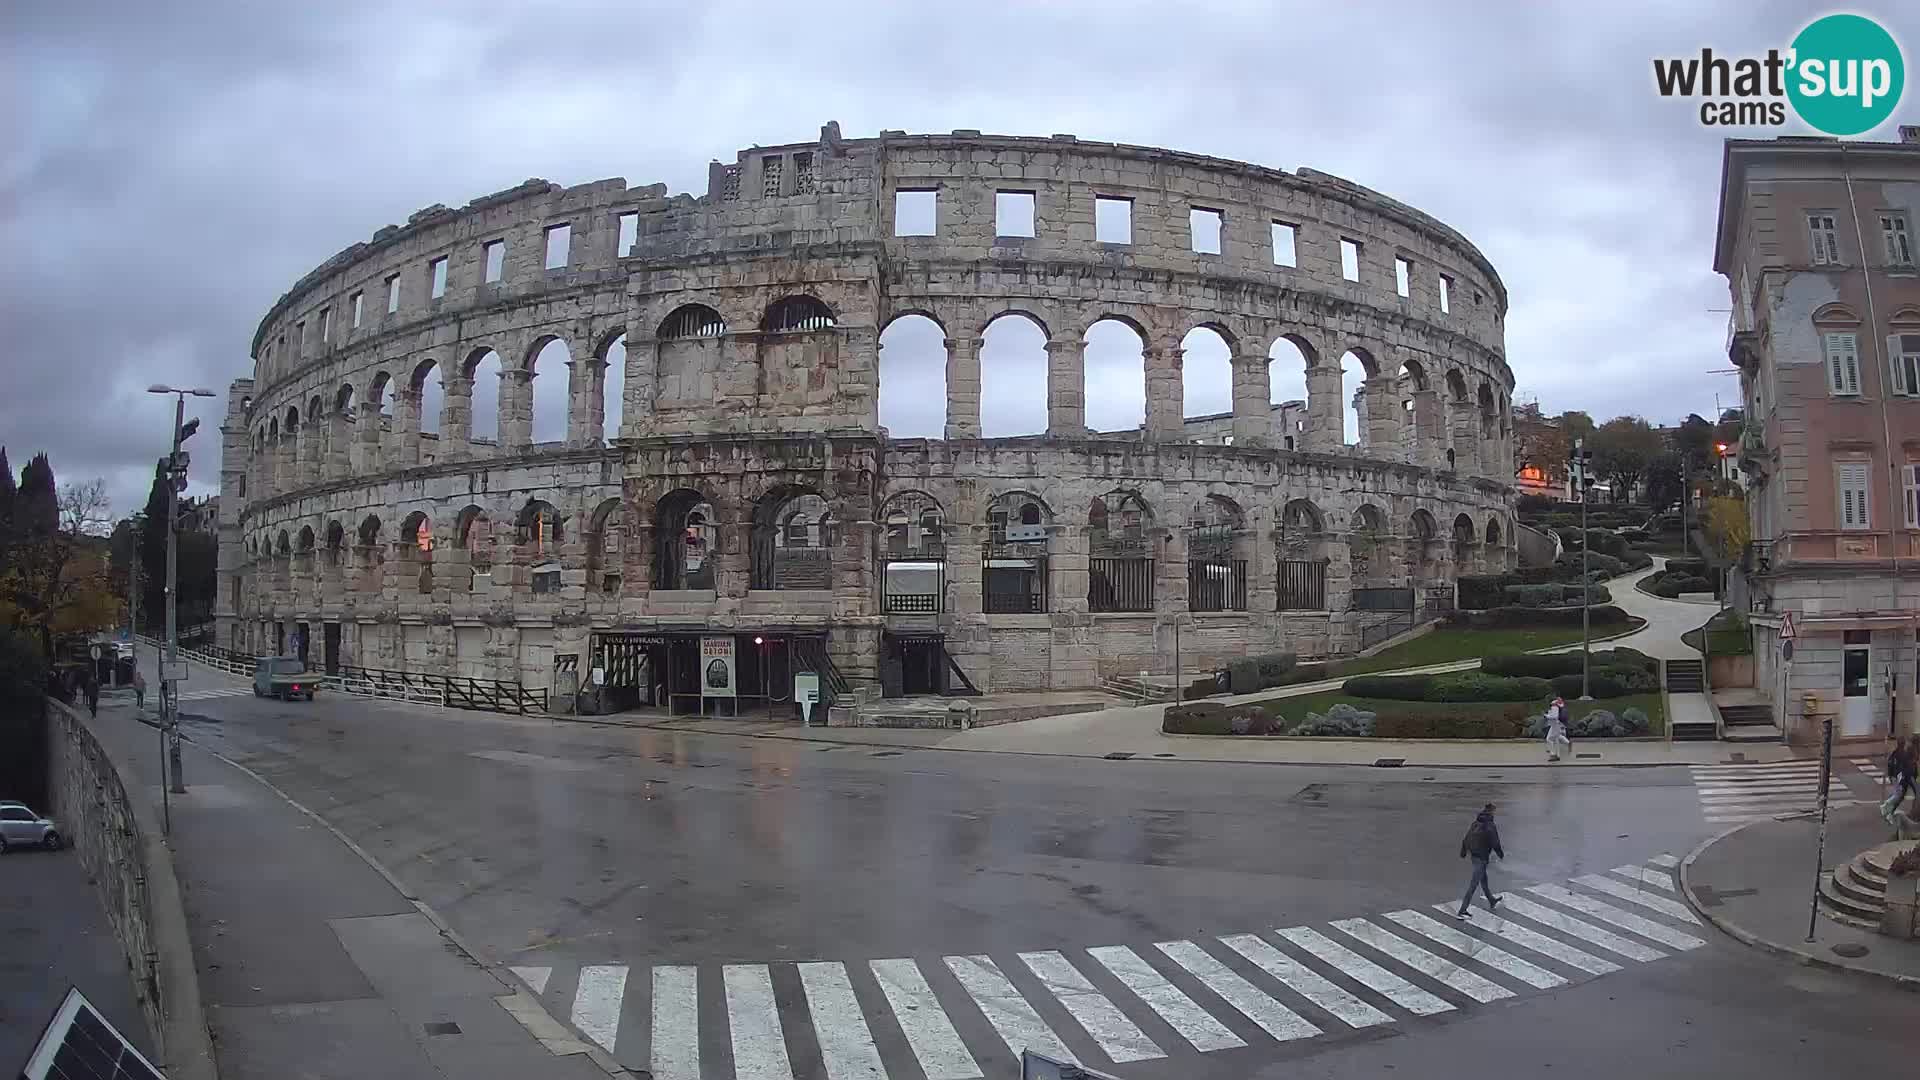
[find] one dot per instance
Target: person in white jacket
(1558, 745)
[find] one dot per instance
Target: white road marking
(596, 1003)
(1672, 909)
(1606, 939)
(1657, 878)
(929, 1033)
(1366, 972)
(535, 977)
(1274, 1018)
(1663, 859)
(1753, 791)
(1440, 970)
(1304, 981)
(1194, 1024)
(1020, 1027)
(1540, 943)
(753, 1018)
(1474, 949)
(846, 1043)
(676, 1023)
(1625, 920)
(1119, 1038)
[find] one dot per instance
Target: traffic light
(1580, 465)
(178, 465)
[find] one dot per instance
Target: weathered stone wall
(750, 321)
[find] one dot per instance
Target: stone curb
(1747, 937)
(522, 1006)
(186, 1044)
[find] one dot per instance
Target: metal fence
(1390, 599)
(913, 586)
(1303, 585)
(1120, 584)
(486, 695)
(1217, 585)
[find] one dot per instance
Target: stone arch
(547, 404)
(1114, 374)
(483, 370)
(1013, 375)
(913, 524)
(336, 540)
(610, 382)
(473, 533)
(316, 409)
(1466, 543)
(1014, 577)
(306, 540)
(916, 311)
(1206, 371)
(1302, 544)
(791, 540)
(416, 547)
(684, 531)
(1365, 539)
(428, 388)
(798, 313)
(1027, 313)
(1834, 314)
(606, 545)
(539, 528)
(1218, 546)
(1120, 574)
(691, 321)
(913, 376)
(1493, 532)
(343, 400)
(1413, 375)
(281, 545)
(1456, 385)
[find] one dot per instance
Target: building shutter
(1903, 352)
(1913, 495)
(1843, 364)
(1853, 495)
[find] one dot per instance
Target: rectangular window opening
(772, 171)
(1283, 238)
(1906, 364)
(1112, 219)
(1854, 507)
(300, 334)
(1402, 276)
(1843, 365)
(1205, 225)
(1824, 239)
(496, 252)
(916, 212)
(1910, 473)
(439, 270)
(1350, 259)
(1446, 294)
(1893, 229)
(359, 303)
(629, 233)
(326, 325)
(393, 294)
(1013, 213)
(559, 245)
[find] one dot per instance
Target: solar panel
(79, 1044)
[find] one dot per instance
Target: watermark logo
(1842, 75)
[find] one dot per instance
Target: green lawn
(1299, 706)
(1726, 636)
(1445, 646)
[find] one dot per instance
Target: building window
(1350, 259)
(1402, 275)
(300, 335)
(629, 234)
(1854, 509)
(358, 304)
(1283, 236)
(393, 293)
(1893, 229)
(1910, 475)
(772, 171)
(559, 245)
(1013, 213)
(1204, 225)
(1112, 219)
(1824, 239)
(496, 253)
(326, 325)
(1446, 294)
(1905, 350)
(730, 184)
(916, 213)
(1843, 365)
(803, 174)
(546, 582)
(438, 268)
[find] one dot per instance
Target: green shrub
(1389, 687)
(1260, 672)
(1534, 665)
(1477, 686)
(1605, 542)
(1636, 721)
(1621, 656)
(1546, 595)
(1205, 686)
(1476, 591)
(1596, 594)
(1198, 718)
(1342, 720)
(1601, 683)
(1249, 720)
(1519, 618)
(1506, 722)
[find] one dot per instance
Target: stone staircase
(1856, 893)
(1137, 691)
(1686, 676)
(1749, 724)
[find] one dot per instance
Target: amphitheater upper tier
(749, 488)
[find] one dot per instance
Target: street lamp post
(1583, 481)
(176, 477)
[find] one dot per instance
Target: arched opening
(1013, 575)
(1465, 543)
(1120, 568)
(340, 430)
(336, 540)
(1115, 389)
(691, 355)
(1013, 377)
(1495, 553)
(540, 530)
(683, 535)
(1287, 361)
(431, 395)
(416, 546)
(915, 578)
(1423, 542)
(606, 546)
(692, 321)
(1355, 369)
(1364, 549)
(1206, 373)
(303, 546)
(1302, 582)
(369, 554)
(797, 315)
(913, 378)
(483, 370)
(473, 534)
(1216, 556)
(791, 542)
(613, 387)
(548, 388)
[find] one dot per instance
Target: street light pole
(169, 688)
(1584, 482)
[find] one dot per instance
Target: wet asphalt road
(559, 846)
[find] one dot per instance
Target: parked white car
(21, 827)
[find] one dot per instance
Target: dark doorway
(331, 647)
(300, 643)
(279, 639)
(914, 665)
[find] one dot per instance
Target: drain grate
(1118, 755)
(1851, 950)
(1586, 755)
(442, 1027)
(885, 753)
(1389, 762)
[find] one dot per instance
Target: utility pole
(176, 479)
(1581, 465)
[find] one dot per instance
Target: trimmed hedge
(1478, 686)
(1507, 723)
(1389, 687)
(1547, 595)
(1259, 672)
(1213, 718)
(1600, 682)
(1506, 618)
(1627, 665)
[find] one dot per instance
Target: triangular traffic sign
(1786, 626)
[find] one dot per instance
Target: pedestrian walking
(1903, 773)
(139, 690)
(1481, 842)
(92, 686)
(1558, 745)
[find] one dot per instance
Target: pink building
(1816, 239)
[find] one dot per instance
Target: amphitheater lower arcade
(722, 479)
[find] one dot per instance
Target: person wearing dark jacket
(1481, 843)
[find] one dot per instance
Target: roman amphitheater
(724, 483)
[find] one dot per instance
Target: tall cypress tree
(7, 491)
(36, 506)
(153, 549)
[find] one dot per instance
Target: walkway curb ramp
(1798, 953)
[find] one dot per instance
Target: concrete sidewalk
(1756, 882)
(313, 963)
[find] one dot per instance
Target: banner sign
(716, 667)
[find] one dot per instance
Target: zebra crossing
(1730, 794)
(209, 695)
(966, 1016)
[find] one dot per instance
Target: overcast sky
(170, 169)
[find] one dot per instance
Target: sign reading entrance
(716, 667)
(806, 693)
